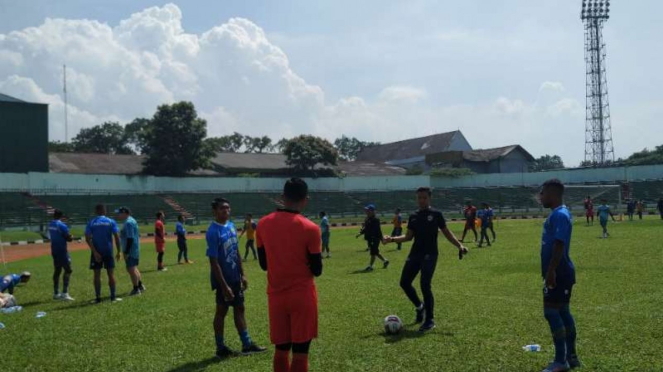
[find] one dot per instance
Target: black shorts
(237, 291)
(374, 247)
(62, 262)
(107, 262)
(397, 231)
(558, 295)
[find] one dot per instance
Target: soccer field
(487, 307)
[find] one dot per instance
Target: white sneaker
(117, 299)
(57, 296)
(66, 297)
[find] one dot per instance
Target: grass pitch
(487, 306)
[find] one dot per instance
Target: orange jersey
(288, 238)
(250, 228)
(159, 231)
(397, 221)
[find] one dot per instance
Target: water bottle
(41, 314)
(532, 348)
(2, 326)
(9, 310)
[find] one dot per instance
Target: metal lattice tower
(598, 131)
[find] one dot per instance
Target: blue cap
(370, 207)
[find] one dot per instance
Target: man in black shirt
(423, 227)
(373, 234)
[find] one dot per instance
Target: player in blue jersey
(9, 282)
(130, 240)
(59, 235)
(180, 231)
(486, 216)
(325, 233)
(603, 212)
(100, 233)
(559, 276)
(228, 280)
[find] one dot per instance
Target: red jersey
(159, 231)
(288, 238)
(589, 205)
(471, 213)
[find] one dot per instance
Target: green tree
(646, 157)
(348, 148)
(546, 162)
(107, 138)
(305, 152)
(134, 133)
(280, 145)
(57, 146)
(231, 143)
(174, 155)
(257, 144)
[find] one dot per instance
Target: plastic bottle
(532, 348)
(41, 314)
(9, 310)
(2, 326)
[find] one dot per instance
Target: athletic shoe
(427, 326)
(142, 287)
(135, 292)
(253, 349)
(574, 362)
(420, 315)
(225, 353)
(557, 367)
(189, 262)
(328, 256)
(66, 297)
(57, 296)
(163, 269)
(96, 301)
(386, 264)
(368, 269)
(115, 300)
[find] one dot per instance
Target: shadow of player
(196, 366)
(406, 334)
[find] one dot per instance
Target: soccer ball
(392, 325)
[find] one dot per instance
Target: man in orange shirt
(250, 230)
(289, 249)
(470, 213)
(160, 240)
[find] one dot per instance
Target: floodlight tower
(598, 131)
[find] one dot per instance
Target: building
(508, 159)
(412, 152)
(23, 136)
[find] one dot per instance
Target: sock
(55, 288)
(220, 342)
(281, 361)
(246, 339)
(112, 292)
(559, 334)
(65, 284)
(299, 363)
(97, 290)
(570, 325)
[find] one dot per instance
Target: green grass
(487, 307)
(15, 236)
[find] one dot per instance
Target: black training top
(426, 224)
(372, 230)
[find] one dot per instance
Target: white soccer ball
(392, 325)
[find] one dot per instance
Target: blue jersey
(180, 231)
(130, 231)
(222, 245)
(324, 225)
(485, 215)
(604, 212)
(58, 233)
(8, 282)
(102, 229)
(558, 227)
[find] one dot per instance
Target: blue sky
(502, 72)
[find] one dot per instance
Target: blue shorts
(235, 302)
(62, 262)
(604, 223)
(558, 295)
(107, 262)
(325, 239)
(131, 262)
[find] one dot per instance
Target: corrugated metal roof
(6, 98)
(63, 162)
(407, 149)
(487, 155)
(244, 161)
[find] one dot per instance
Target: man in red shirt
(470, 213)
(160, 240)
(289, 249)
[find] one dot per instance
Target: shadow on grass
(362, 271)
(196, 366)
(34, 303)
(406, 334)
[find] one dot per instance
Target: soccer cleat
(368, 269)
(253, 349)
(115, 300)
(225, 353)
(557, 367)
(57, 296)
(66, 297)
(386, 264)
(142, 288)
(96, 301)
(420, 315)
(427, 326)
(189, 262)
(574, 362)
(135, 292)
(163, 269)
(328, 255)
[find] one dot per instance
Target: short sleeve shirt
(102, 228)
(288, 239)
(558, 227)
(159, 230)
(130, 231)
(425, 224)
(604, 212)
(324, 225)
(180, 231)
(222, 245)
(58, 233)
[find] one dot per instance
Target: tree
(280, 145)
(134, 133)
(231, 143)
(646, 157)
(57, 146)
(348, 148)
(257, 144)
(174, 141)
(107, 138)
(546, 162)
(305, 152)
